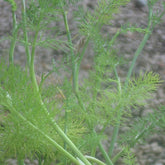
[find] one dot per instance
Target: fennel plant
(36, 124)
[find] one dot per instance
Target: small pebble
(156, 148)
(140, 3)
(158, 164)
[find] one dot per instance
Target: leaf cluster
(128, 157)
(13, 5)
(18, 96)
(103, 14)
(107, 104)
(24, 121)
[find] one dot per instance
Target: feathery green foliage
(13, 4)
(129, 157)
(19, 98)
(63, 121)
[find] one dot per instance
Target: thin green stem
(116, 128)
(64, 136)
(137, 53)
(57, 128)
(32, 71)
(14, 39)
(20, 162)
(114, 37)
(140, 48)
(117, 156)
(68, 34)
(75, 63)
(83, 52)
(136, 140)
(70, 143)
(143, 132)
(65, 131)
(94, 160)
(43, 78)
(108, 160)
(75, 68)
(39, 161)
(80, 101)
(25, 33)
(93, 151)
(118, 79)
(30, 58)
(57, 146)
(73, 59)
(114, 138)
(75, 88)
(75, 77)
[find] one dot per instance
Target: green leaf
(13, 4)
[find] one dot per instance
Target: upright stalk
(140, 48)
(114, 138)
(70, 143)
(94, 160)
(108, 160)
(32, 71)
(74, 62)
(65, 131)
(25, 33)
(20, 162)
(14, 38)
(137, 53)
(116, 129)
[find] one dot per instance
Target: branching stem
(74, 62)
(141, 46)
(67, 154)
(136, 55)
